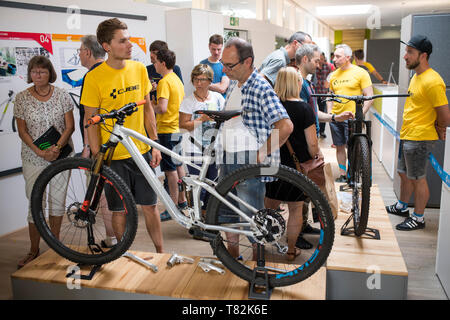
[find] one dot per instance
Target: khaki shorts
(56, 192)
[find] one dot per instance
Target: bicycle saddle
(220, 116)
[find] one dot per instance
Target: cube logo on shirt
(115, 92)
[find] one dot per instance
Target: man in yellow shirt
(170, 93)
(349, 80)
(425, 118)
(359, 61)
(112, 85)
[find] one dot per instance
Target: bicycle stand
(84, 277)
(371, 233)
(260, 291)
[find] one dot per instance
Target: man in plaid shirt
(255, 136)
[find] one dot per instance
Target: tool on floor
(177, 259)
(208, 264)
(149, 265)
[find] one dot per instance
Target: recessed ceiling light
(343, 10)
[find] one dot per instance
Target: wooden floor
(418, 247)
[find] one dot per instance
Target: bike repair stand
(83, 277)
(348, 231)
(369, 232)
(256, 290)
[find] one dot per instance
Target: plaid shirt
(321, 75)
(261, 108)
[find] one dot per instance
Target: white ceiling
(391, 11)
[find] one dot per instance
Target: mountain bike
(230, 221)
(359, 158)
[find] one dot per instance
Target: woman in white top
(199, 126)
(36, 109)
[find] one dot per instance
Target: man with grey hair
(248, 138)
(307, 59)
(91, 56)
(282, 57)
(351, 80)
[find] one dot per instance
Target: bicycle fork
(94, 192)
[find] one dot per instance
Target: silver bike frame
(123, 135)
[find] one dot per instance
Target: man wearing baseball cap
(425, 118)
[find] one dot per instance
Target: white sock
(418, 218)
(401, 205)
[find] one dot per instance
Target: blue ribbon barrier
(445, 177)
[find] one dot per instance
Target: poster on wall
(16, 50)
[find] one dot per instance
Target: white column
(200, 4)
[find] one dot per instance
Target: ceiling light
(343, 10)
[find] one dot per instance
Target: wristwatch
(332, 118)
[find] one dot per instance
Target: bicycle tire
(361, 184)
(293, 273)
(76, 170)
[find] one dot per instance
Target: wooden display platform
(45, 278)
(364, 268)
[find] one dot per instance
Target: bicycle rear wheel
(60, 190)
(361, 184)
(289, 183)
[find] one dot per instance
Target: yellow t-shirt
(368, 65)
(171, 88)
(419, 116)
(348, 82)
(109, 88)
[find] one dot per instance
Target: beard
(412, 65)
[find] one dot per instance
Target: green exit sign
(234, 21)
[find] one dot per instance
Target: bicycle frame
(356, 129)
(121, 134)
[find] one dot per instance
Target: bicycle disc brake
(271, 224)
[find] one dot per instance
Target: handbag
(312, 168)
(49, 138)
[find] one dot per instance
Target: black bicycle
(359, 169)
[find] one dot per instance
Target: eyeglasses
(79, 50)
(41, 73)
(231, 66)
(200, 79)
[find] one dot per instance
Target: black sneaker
(302, 243)
(342, 179)
(410, 224)
(310, 229)
(392, 209)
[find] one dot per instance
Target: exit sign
(234, 21)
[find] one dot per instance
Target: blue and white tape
(445, 177)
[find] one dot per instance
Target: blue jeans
(251, 191)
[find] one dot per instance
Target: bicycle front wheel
(60, 192)
(280, 213)
(361, 184)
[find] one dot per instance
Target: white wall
(188, 32)
(13, 203)
(261, 35)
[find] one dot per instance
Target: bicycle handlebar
(126, 110)
(360, 97)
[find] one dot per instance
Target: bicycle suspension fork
(95, 189)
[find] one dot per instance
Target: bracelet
(58, 146)
(333, 118)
